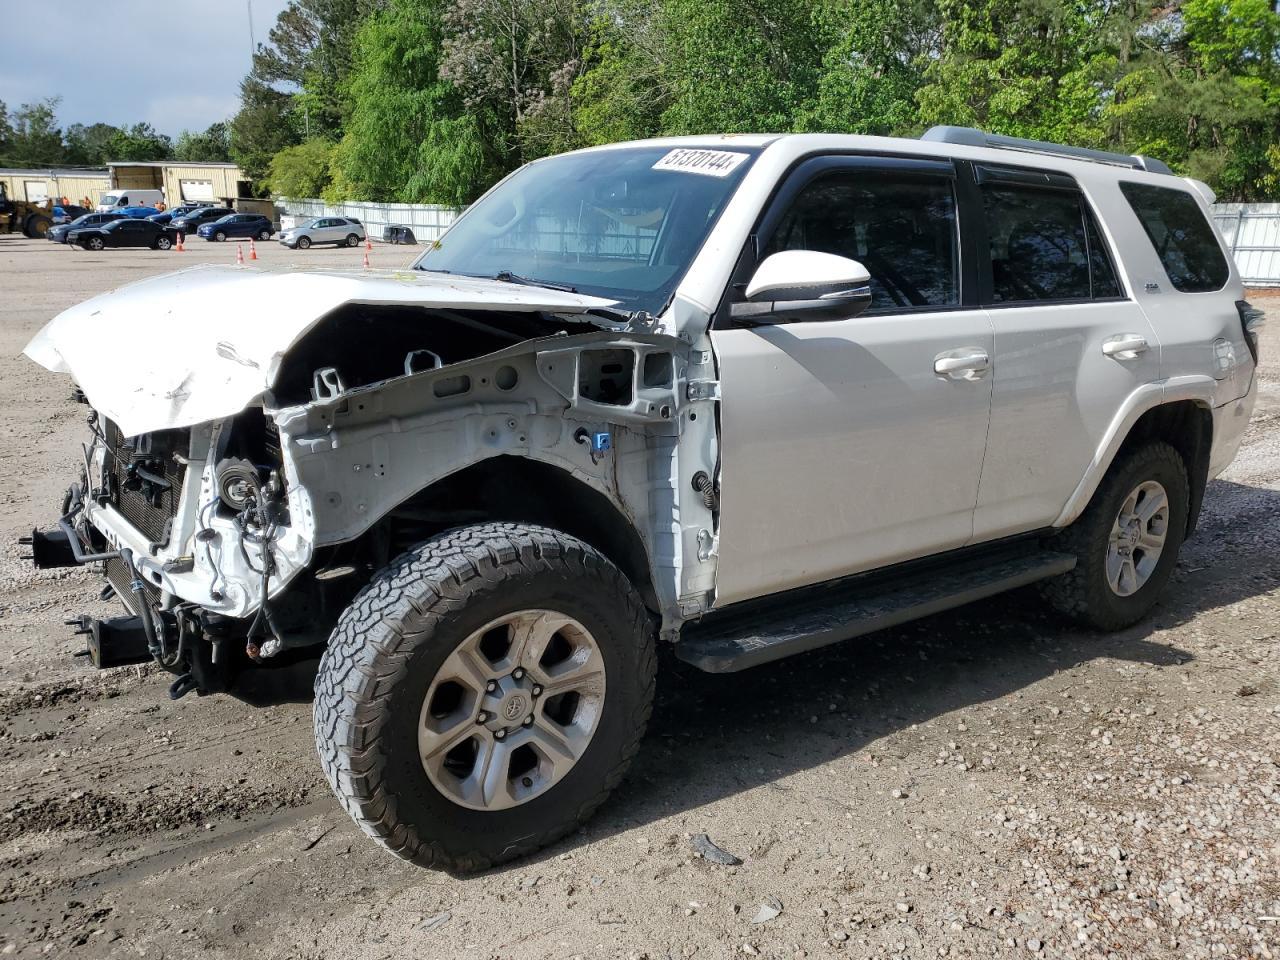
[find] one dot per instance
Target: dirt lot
(985, 783)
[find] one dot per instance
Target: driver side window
(902, 228)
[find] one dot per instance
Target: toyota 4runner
(745, 395)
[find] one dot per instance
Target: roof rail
(973, 137)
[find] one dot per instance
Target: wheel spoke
(558, 744)
(468, 667)
(490, 773)
(586, 678)
(1154, 502)
(436, 743)
(1151, 541)
(530, 635)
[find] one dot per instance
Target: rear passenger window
(1045, 246)
(901, 228)
(1183, 238)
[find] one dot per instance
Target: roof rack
(973, 137)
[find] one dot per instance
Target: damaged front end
(239, 500)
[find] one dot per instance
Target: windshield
(109, 199)
(623, 224)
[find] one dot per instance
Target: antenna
(253, 44)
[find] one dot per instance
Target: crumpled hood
(204, 343)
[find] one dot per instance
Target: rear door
(132, 233)
(1071, 343)
(842, 446)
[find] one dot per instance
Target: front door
(854, 443)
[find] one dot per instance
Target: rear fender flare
(1200, 389)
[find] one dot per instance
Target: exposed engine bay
(236, 541)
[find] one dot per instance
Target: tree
(262, 128)
(139, 142)
(739, 65)
(1203, 93)
(406, 138)
(622, 90)
(6, 130)
(36, 138)
(211, 146)
(1028, 68)
(89, 146)
(301, 171)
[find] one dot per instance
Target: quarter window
(901, 228)
(1045, 246)
(1183, 238)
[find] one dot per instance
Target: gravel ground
(990, 782)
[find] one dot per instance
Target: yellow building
(217, 182)
(73, 185)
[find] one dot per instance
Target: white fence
(427, 221)
(1252, 230)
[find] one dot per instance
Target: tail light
(1251, 319)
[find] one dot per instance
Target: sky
(175, 64)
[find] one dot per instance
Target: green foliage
(138, 142)
(434, 100)
(35, 138)
(212, 146)
(301, 170)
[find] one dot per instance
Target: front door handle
(965, 363)
(1124, 346)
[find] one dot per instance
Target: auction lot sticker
(713, 163)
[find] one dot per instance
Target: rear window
(1184, 240)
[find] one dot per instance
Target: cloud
(176, 64)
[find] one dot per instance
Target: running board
(731, 642)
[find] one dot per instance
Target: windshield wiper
(506, 276)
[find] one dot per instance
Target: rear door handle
(965, 363)
(1124, 346)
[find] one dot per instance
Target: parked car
(59, 233)
(190, 222)
(175, 213)
(745, 395)
(343, 231)
(237, 225)
(124, 232)
(65, 213)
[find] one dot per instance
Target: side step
(733, 641)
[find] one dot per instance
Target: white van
(115, 199)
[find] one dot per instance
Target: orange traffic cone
(368, 244)
(366, 259)
(180, 247)
(253, 251)
(239, 255)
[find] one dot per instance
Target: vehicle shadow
(713, 736)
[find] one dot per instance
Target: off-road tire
(384, 653)
(37, 226)
(1084, 594)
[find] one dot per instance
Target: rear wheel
(304, 243)
(1126, 542)
(481, 697)
(352, 239)
(264, 235)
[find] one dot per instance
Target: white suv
(341, 231)
(745, 395)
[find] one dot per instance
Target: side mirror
(804, 285)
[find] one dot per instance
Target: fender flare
(1145, 398)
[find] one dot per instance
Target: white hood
(204, 343)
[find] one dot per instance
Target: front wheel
(220, 236)
(1126, 542)
(484, 694)
(94, 243)
(303, 243)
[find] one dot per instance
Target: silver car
(342, 231)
